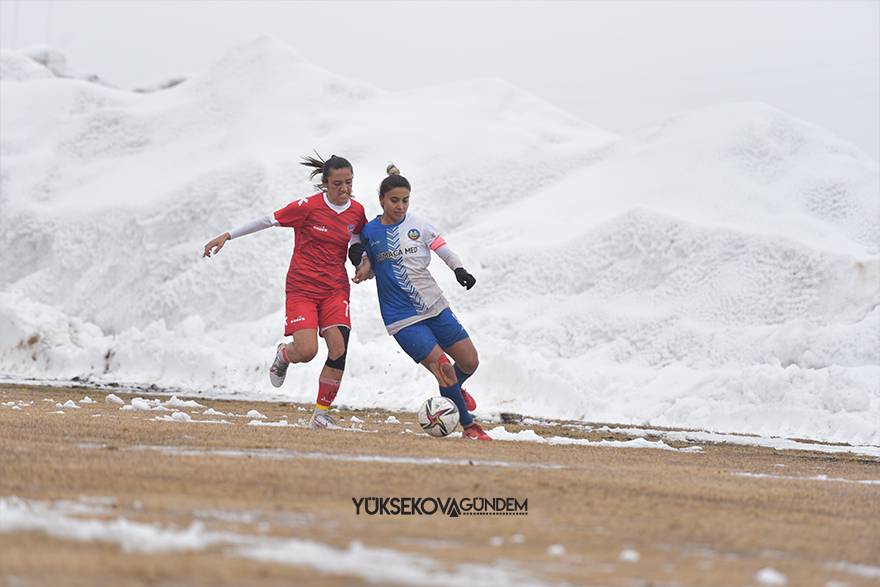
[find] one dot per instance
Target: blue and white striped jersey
(400, 255)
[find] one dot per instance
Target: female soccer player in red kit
(325, 225)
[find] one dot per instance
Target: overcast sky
(620, 65)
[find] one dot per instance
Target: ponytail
(323, 168)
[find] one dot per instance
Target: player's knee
(469, 364)
(307, 352)
(336, 363)
(302, 350)
(337, 352)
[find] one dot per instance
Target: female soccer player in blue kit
(413, 308)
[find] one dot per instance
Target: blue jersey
(400, 254)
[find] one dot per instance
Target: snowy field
(719, 271)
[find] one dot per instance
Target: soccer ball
(438, 416)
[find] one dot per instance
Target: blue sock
(453, 392)
(461, 375)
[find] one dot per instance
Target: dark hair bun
(392, 169)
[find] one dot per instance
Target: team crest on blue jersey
(413, 234)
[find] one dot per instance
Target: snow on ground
(282, 454)
(383, 565)
(640, 435)
(629, 555)
(766, 442)
(770, 576)
(813, 478)
(867, 571)
(720, 270)
(57, 520)
(500, 433)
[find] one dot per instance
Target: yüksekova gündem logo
(443, 506)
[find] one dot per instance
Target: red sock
(327, 389)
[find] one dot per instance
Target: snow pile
(717, 271)
(39, 63)
(15, 66)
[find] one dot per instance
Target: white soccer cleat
(321, 420)
(278, 370)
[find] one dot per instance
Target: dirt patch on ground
(100, 495)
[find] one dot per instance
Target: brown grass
(692, 520)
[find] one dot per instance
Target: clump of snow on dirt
(112, 398)
(279, 424)
(256, 415)
(556, 550)
(174, 402)
(155, 405)
(629, 555)
(142, 404)
(770, 576)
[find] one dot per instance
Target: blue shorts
(418, 340)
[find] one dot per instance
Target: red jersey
(321, 238)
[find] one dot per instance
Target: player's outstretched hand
(464, 278)
(215, 244)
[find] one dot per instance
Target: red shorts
(319, 313)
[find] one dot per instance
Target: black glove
(464, 278)
(356, 254)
